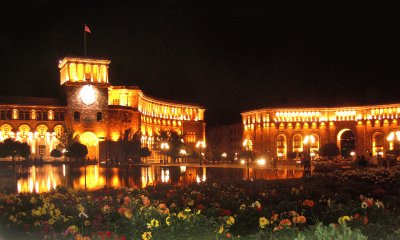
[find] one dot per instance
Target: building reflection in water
(47, 177)
(39, 179)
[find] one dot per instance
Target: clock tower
(85, 81)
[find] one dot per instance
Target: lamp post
(183, 154)
(164, 148)
(394, 138)
(201, 145)
(106, 142)
(308, 140)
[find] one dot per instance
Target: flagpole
(84, 38)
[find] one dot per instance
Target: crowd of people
(376, 161)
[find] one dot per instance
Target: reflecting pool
(46, 177)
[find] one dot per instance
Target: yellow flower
(33, 200)
(168, 220)
(146, 236)
(106, 209)
(182, 215)
(51, 221)
(344, 219)
(128, 214)
(230, 220)
(80, 208)
(12, 218)
(221, 229)
(263, 222)
(57, 212)
(153, 223)
(188, 210)
(87, 223)
(72, 229)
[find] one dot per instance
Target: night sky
(228, 56)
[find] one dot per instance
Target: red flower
(200, 207)
(365, 220)
(122, 237)
(108, 234)
(308, 203)
(226, 212)
(356, 216)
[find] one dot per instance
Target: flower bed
(347, 205)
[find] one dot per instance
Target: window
(21, 115)
(62, 116)
(2, 114)
(190, 137)
(77, 116)
(99, 116)
(115, 101)
(280, 142)
(9, 115)
(45, 116)
(39, 116)
(27, 115)
(42, 150)
(297, 141)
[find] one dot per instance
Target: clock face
(88, 94)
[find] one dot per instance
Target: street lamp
(201, 145)
(394, 137)
(308, 140)
(183, 154)
(164, 148)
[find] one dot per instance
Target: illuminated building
(96, 111)
(277, 132)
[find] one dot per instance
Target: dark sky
(229, 56)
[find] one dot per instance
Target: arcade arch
(92, 142)
(346, 142)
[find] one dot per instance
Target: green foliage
(77, 151)
(11, 148)
(174, 141)
(55, 153)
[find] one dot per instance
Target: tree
(174, 141)
(55, 153)
(24, 150)
(329, 150)
(77, 151)
(11, 148)
(67, 138)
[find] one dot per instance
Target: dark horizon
(228, 56)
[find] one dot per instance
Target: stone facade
(95, 111)
(363, 130)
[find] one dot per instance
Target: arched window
(377, 143)
(281, 141)
(77, 116)
(297, 142)
(62, 116)
(99, 116)
(39, 116)
(9, 115)
(27, 115)
(21, 115)
(45, 116)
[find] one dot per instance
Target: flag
(87, 29)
